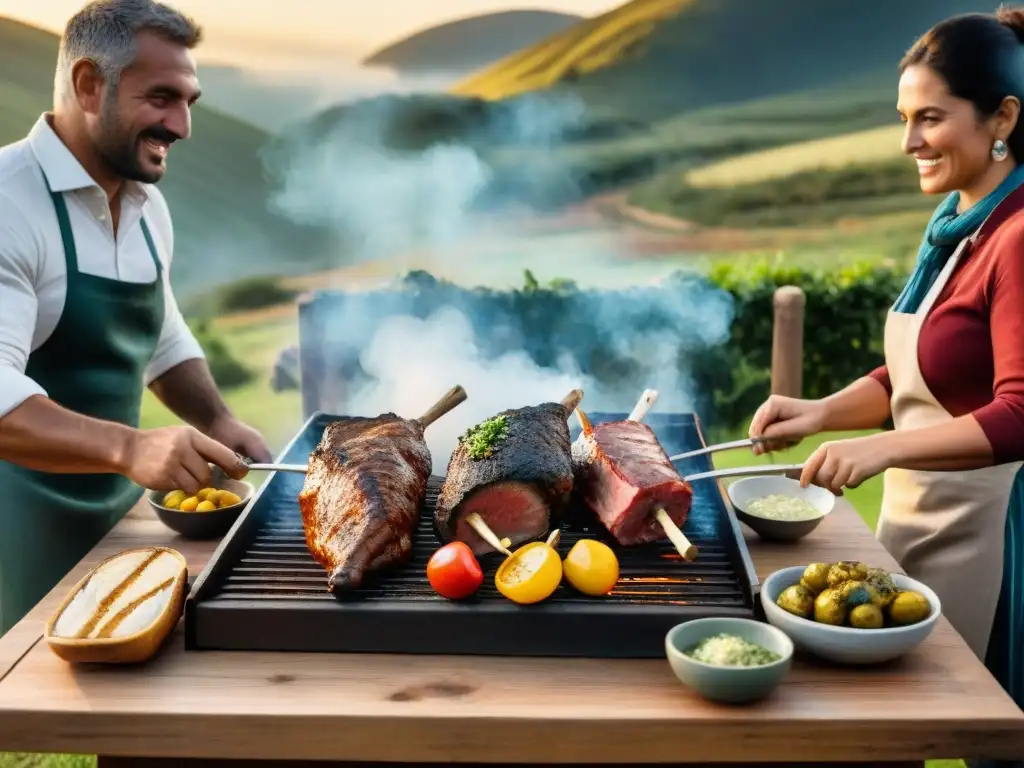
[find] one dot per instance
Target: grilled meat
(361, 500)
(623, 474)
(514, 470)
(364, 489)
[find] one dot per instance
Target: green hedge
(717, 328)
(843, 328)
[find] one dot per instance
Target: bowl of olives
(850, 612)
(208, 514)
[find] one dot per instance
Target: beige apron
(945, 529)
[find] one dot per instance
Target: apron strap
(152, 247)
(67, 235)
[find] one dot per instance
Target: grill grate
(263, 591)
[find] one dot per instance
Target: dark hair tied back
(1014, 19)
(981, 58)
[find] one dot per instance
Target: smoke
(396, 173)
(383, 203)
(409, 362)
(414, 362)
(407, 180)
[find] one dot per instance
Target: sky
(237, 31)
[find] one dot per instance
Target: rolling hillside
(653, 58)
(461, 46)
(834, 152)
(214, 185)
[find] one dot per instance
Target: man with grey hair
(89, 318)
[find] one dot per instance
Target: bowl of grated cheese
(776, 508)
(729, 660)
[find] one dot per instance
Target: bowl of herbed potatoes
(850, 612)
(208, 514)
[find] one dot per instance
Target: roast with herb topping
(514, 470)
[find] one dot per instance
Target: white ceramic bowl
(847, 645)
(731, 685)
(743, 492)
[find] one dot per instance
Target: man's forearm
(189, 391)
(41, 435)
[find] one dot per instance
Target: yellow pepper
(591, 567)
(531, 573)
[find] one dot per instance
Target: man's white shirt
(33, 272)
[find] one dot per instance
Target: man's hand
(178, 457)
(240, 438)
(189, 391)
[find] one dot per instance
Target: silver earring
(999, 151)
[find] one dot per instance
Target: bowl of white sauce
(776, 508)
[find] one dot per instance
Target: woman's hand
(847, 463)
(785, 421)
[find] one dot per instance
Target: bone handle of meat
(683, 546)
(477, 524)
(643, 405)
(686, 550)
(571, 400)
(452, 398)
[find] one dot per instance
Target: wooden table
(205, 707)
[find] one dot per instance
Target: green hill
(463, 45)
(215, 185)
(653, 58)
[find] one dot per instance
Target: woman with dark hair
(953, 379)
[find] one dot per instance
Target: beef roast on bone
(625, 476)
(521, 489)
(364, 489)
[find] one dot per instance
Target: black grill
(263, 591)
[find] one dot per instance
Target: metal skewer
(744, 443)
(764, 469)
(300, 468)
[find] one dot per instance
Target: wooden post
(788, 342)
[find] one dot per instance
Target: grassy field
(834, 152)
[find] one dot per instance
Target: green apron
(92, 364)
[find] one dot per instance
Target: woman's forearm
(955, 445)
(864, 404)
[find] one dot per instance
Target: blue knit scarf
(945, 230)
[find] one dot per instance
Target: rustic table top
(937, 702)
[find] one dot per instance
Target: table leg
(174, 762)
